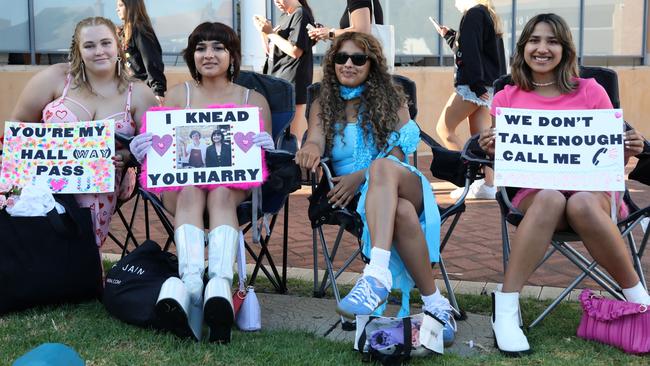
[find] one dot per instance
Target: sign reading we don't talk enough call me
(204, 147)
(579, 150)
(72, 157)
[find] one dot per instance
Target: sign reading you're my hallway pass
(579, 150)
(73, 157)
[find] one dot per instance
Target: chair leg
(458, 313)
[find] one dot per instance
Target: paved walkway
(473, 255)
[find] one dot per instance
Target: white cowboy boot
(179, 305)
(218, 309)
(508, 336)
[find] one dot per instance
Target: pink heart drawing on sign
(618, 115)
(498, 111)
(57, 185)
(161, 143)
(245, 142)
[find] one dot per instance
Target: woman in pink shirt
(545, 75)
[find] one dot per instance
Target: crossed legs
(393, 203)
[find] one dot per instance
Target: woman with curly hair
(361, 121)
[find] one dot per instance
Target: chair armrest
(472, 152)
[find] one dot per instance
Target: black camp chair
(348, 220)
(560, 241)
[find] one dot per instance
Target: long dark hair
(381, 100)
(566, 70)
(136, 17)
(305, 5)
(213, 32)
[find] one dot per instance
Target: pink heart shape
(498, 111)
(57, 185)
(245, 142)
(161, 144)
(618, 115)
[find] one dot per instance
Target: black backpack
(133, 284)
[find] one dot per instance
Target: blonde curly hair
(381, 100)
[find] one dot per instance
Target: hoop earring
(83, 71)
(119, 66)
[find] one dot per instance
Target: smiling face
(216, 137)
(211, 58)
(98, 48)
(543, 53)
(120, 8)
(348, 73)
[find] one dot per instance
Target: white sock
(380, 257)
(378, 267)
(637, 294)
(434, 301)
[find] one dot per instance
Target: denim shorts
(468, 95)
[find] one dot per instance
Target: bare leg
(222, 206)
(388, 182)
(588, 214)
(299, 123)
(412, 247)
(452, 115)
(544, 214)
(186, 205)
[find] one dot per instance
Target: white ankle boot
(179, 302)
(508, 336)
(218, 309)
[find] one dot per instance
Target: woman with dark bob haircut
(213, 57)
(361, 121)
(545, 75)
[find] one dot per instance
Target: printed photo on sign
(73, 157)
(203, 147)
(576, 150)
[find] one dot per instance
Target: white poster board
(578, 150)
(71, 157)
(203, 147)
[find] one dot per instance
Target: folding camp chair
(348, 220)
(275, 192)
(560, 241)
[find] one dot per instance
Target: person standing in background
(288, 47)
(143, 51)
(479, 59)
(357, 17)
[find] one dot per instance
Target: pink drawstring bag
(622, 324)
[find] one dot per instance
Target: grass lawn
(103, 340)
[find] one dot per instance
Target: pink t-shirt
(588, 95)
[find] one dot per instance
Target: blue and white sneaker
(442, 310)
(366, 296)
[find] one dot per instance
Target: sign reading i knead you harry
(72, 157)
(578, 150)
(203, 147)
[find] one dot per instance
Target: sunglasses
(358, 59)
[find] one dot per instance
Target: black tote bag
(48, 259)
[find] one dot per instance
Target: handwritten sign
(74, 157)
(579, 150)
(203, 147)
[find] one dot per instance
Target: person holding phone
(288, 47)
(479, 59)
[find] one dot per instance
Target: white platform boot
(508, 336)
(218, 309)
(179, 305)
